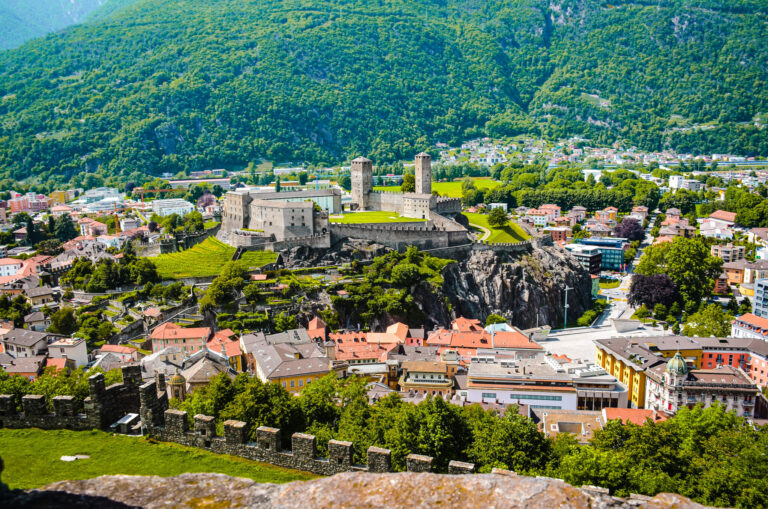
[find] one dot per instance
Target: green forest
(177, 85)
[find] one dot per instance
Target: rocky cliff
(527, 289)
(349, 490)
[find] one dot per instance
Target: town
(184, 293)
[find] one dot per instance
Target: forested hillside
(169, 85)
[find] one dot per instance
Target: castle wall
(392, 202)
(399, 236)
(282, 219)
(103, 407)
(174, 426)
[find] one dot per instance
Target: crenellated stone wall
(104, 405)
(173, 425)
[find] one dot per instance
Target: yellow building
(628, 359)
(59, 197)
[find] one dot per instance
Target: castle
(276, 221)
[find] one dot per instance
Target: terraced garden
(372, 217)
(510, 233)
(206, 259)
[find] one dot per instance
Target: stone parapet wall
(172, 425)
(103, 407)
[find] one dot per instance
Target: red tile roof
(363, 351)
(754, 321)
(724, 215)
(59, 363)
(465, 324)
(118, 349)
(172, 331)
(230, 347)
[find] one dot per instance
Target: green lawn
(609, 283)
(511, 233)
(205, 259)
(452, 189)
(372, 217)
(210, 224)
(32, 458)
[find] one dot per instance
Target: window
(293, 383)
(301, 382)
(283, 383)
(489, 395)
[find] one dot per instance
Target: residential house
(558, 233)
(579, 213)
(293, 366)
(750, 325)
(729, 252)
(724, 218)
(189, 339)
(74, 349)
(640, 213)
(91, 227)
(24, 342)
(228, 344)
(37, 321)
(40, 295)
(425, 377)
(122, 352)
(28, 367)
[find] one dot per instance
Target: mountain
(170, 85)
(21, 20)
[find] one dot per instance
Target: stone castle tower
(423, 173)
(362, 181)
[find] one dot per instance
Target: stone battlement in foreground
(173, 426)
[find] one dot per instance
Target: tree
(405, 274)
(303, 177)
(630, 229)
(409, 183)
(493, 319)
(345, 182)
(498, 218)
(64, 321)
(710, 321)
(652, 290)
(688, 264)
(284, 322)
(277, 185)
(660, 311)
(50, 247)
(64, 228)
(32, 233)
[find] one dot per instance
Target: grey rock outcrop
(527, 289)
(349, 490)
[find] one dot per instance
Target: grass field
(206, 259)
(32, 458)
(511, 233)
(372, 217)
(452, 189)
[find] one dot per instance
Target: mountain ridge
(177, 85)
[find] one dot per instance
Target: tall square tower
(424, 173)
(362, 181)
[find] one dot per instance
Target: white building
(70, 348)
(172, 206)
(542, 382)
(10, 266)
